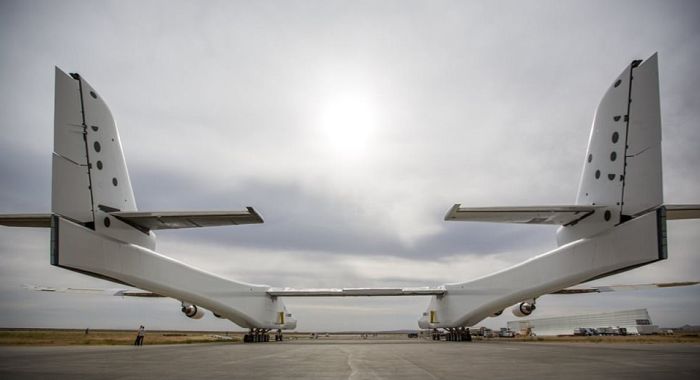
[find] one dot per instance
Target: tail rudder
(643, 182)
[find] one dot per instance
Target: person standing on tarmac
(139, 337)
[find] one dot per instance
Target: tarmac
(405, 360)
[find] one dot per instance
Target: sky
(352, 127)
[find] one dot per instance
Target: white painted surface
(247, 305)
(70, 190)
(643, 177)
(467, 303)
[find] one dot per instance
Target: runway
(356, 360)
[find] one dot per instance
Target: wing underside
(175, 219)
(95, 291)
(355, 292)
(553, 215)
(151, 220)
(25, 220)
(618, 288)
(358, 292)
(677, 212)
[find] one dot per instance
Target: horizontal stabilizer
(675, 212)
(188, 219)
(617, 288)
(355, 292)
(554, 215)
(25, 220)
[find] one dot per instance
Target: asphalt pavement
(405, 360)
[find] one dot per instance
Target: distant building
(635, 321)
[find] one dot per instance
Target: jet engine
(524, 309)
(192, 311)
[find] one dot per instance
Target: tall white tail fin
(622, 168)
(90, 178)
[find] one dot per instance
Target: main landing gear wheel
(256, 336)
(278, 336)
(459, 334)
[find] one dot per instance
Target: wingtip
(255, 214)
(452, 211)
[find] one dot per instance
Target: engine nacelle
(192, 311)
(523, 309)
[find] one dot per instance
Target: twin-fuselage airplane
(617, 223)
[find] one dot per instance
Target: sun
(347, 124)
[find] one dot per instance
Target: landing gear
(257, 336)
(466, 335)
(278, 336)
(458, 334)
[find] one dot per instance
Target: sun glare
(347, 124)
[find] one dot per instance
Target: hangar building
(635, 321)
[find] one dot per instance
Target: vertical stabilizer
(90, 178)
(622, 167)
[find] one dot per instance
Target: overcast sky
(352, 127)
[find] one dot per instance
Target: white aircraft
(618, 222)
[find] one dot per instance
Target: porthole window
(616, 118)
(97, 146)
(92, 93)
(607, 215)
(597, 174)
(617, 82)
(114, 181)
(94, 128)
(613, 156)
(107, 222)
(590, 157)
(99, 165)
(611, 176)
(615, 137)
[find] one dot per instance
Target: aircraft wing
(439, 291)
(554, 215)
(94, 291)
(274, 292)
(358, 292)
(617, 288)
(25, 220)
(355, 292)
(676, 212)
(187, 219)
